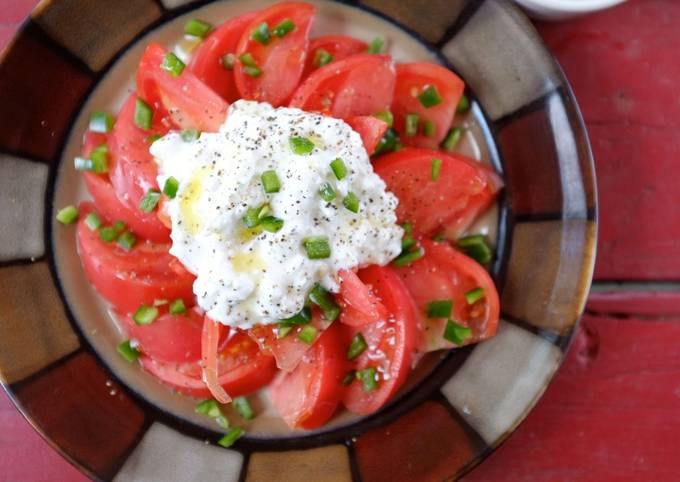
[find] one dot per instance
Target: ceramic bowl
(57, 347)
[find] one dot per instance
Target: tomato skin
(339, 46)
(360, 305)
(371, 130)
(463, 187)
(128, 279)
(282, 60)
(411, 78)
(391, 341)
(362, 84)
(308, 396)
(446, 273)
(206, 63)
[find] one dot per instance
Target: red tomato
(371, 130)
(360, 305)
(242, 369)
(282, 60)
(308, 396)
(339, 46)
(170, 338)
(412, 79)
(445, 273)
(391, 342)
(289, 350)
(183, 101)
(362, 84)
(129, 279)
(463, 187)
(206, 63)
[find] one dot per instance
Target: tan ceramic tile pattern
(324, 464)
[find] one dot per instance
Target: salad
(274, 211)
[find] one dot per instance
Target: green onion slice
(476, 247)
(463, 104)
(317, 247)
(271, 224)
(356, 347)
(452, 138)
(301, 145)
(197, 28)
(127, 240)
(172, 64)
(209, 408)
(301, 318)
(429, 128)
(93, 221)
(385, 116)
(67, 215)
(243, 407)
(127, 351)
(283, 330)
(430, 97)
(455, 333)
(349, 378)
(322, 57)
(327, 192)
(101, 122)
(351, 202)
(145, 315)
(270, 182)
(189, 135)
(143, 114)
(406, 259)
(367, 376)
(150, 200)
(411, 127)
(252, 71)
(100, 159)
(339, 169)
(228, 61)
(232, 436)
(283, 28)
(439, 308)
(474, 295)
(247, 59)
(321, 298)
(108, 234)
(376, 45)
(171, 187)
(307, 334)
(436, 167)
(261, 34)
(177, 307)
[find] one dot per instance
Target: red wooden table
(613, 410)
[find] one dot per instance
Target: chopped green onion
(172, 64)
(209, 408)
(474, 295)
(356, 347)
(301, 318)
(439, 308)
(143, 114)
(261, 34)
(271, 224)
(301, 145)
(270, 182)
(411, 126)
(429, 128)
(243, 407)
(228, 61)
(475, 246)
(108, 234)
(452, 138)
(153, 138)
(67, 215)
(127, 351)
(321, 298)
(408, 228)
(376, 45)
(406, 259)
(430, 97)
(100, 159)
(252, 71)
(339, 169)
(307, 334)
(101, 122)
(118, 227)
(351, 202)
(82, 164)
(407, 241)
(322, 57)
(388, 143)
(349, 378)
(197, 28)
(317, 247)
(177, 307)
(283, 331)
(456, 333)
(368, 378)
(247, 59)
(284, 27)
(463, 104)
(222, 421)
(150, 200)
(436, 167)
(171, 187)
(93, 221)
(327, 192)
(145, 315)
(189, 135)
(127, 240)
(232, 436)
(385, 116)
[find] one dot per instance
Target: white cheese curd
(251, 276)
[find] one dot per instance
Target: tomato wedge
(339, 47)
(360, 305)
(362, 84)
(308, 396)
(462, 189)
(170, 338)
(183, 101)
(412, 80)
(390, 342)
(371, 130)
(129, 279)
(242, 369)
(445, 273)
(281, 60)
(206, 63)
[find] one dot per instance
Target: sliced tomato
(391, 342)
(242, 369)
(129, 279)
(183, 101)
(282, 60)
(371, 130)
(289, 350)
(463, 187)
(445, 273)
(338, 46)
(360, 305)
(206, 63)
(412, 80)
(308, 396)
(170, 338)
(362, 84)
